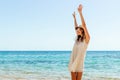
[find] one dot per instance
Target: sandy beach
(7, 77)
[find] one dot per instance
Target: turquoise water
(53, 65)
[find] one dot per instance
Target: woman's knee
(73, 73)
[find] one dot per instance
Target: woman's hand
(75, 22)
(74, 15)
(80, 8)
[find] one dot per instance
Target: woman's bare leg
(79, 75)
(73, 75)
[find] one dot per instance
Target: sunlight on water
(53, 65)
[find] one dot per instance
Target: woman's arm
(84, 24)
(75, 22)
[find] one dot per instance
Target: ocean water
(53, 65)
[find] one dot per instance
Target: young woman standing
(76, 63)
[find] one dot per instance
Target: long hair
(81, 37)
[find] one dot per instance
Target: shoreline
(7, 77)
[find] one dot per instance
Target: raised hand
(74, 16)
(75, 22)
(80, 8)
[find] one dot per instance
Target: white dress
(77, 57)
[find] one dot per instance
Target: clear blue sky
(48, 24)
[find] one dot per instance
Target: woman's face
(79, 31)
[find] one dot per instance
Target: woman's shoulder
(84, 42)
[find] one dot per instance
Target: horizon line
(56, 50)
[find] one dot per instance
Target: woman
(76, 63)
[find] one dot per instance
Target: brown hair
(79, 37)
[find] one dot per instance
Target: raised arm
(84, 24)
(75, 22)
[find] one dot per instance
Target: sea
(53, 65)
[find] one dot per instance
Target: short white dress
(77, 57)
